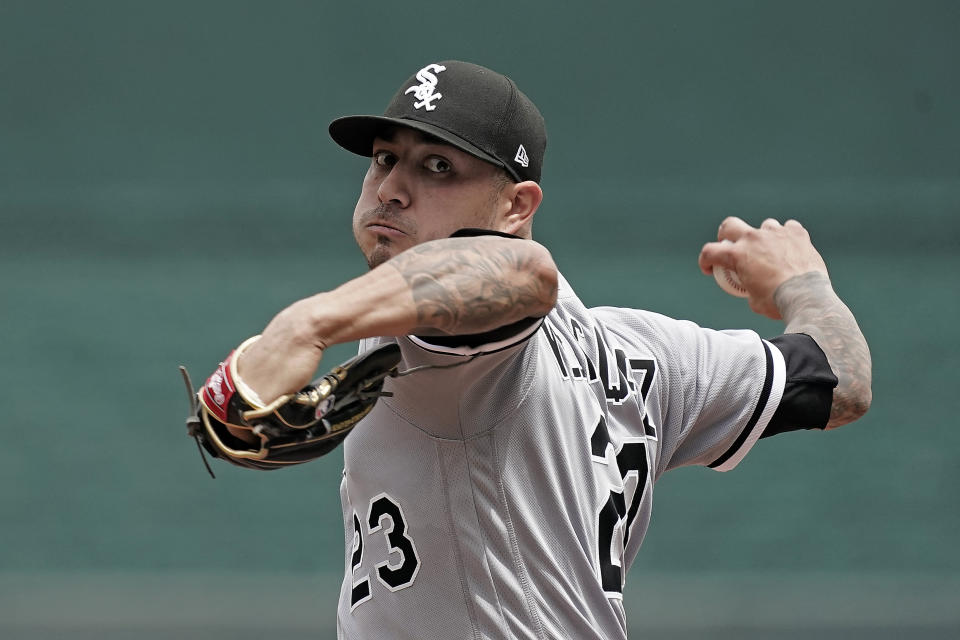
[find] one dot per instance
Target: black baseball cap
(465, 105)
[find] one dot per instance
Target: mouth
(384, 228)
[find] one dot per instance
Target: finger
(721, 253)
(732, 228)
(770, 224)
(796, 228)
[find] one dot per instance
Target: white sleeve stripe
(490, 347)
(777, 373)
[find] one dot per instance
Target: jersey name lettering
(613, 368)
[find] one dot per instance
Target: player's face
(418, 189)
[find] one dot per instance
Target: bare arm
(787, 279)
(451, 286)
(809, 305)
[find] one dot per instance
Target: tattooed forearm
(471, 285)
(809, 305)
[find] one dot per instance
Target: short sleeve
(715, 393)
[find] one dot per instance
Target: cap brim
(356, 134)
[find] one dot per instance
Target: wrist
(325, 322)
(377, 303)
(802, 293)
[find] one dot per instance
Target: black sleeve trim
(473, 233)
(757, 412)
(474, 340)
(808, 391)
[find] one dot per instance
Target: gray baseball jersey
(508, 496)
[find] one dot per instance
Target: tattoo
(809, 305)
(471, 285)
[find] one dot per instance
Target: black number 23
(400, 568)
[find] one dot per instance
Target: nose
(394, 188)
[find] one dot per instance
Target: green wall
(167, 185)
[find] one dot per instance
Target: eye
(438, 164)
(384, 159)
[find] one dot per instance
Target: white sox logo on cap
(470, 107)
(425, 91)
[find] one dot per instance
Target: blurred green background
(167, 185)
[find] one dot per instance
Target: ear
(521, 200)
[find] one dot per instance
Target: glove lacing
(194, 425)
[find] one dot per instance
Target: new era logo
(522, 157)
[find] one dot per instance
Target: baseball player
(503, 488)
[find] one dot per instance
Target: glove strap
(224, 382)
(249, 395)
(215, 397)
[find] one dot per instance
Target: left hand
(763, 258)
(285, 358)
